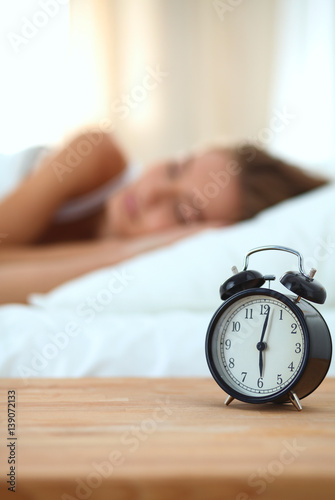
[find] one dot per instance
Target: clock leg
(295, 400)
(229, 400)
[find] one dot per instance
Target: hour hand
(261, 364)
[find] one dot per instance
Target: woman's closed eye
(176, 168)
(185, 213)
(173, 170)
(178, 213)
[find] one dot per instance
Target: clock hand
(265, 325)
(261, 363)
(261, 345)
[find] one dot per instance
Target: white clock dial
(258, 346)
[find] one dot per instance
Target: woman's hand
(27, 269)
(27, 212)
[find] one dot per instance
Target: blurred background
(167, 76)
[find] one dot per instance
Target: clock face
(257, 346)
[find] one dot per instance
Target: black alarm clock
(263, 346)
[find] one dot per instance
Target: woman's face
(199, 188)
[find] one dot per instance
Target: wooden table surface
(164, 439)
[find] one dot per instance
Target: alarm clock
(265, 346)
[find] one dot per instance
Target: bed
(148, 316)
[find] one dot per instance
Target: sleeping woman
(82, 209)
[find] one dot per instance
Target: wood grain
(164, 439)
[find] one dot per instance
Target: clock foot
(229, 400)
(295, 400)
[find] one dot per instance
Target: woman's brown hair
(267, 180)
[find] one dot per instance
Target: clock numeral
(231, 362)
(291, 367)
(264, 308)
(228, 344)
(281, 315)
(294, 327)
(260, 382)
(298, 347)
(279, 379)
(248, 313)
(244, 374)
(236, 326)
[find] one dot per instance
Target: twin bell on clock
(265, 346)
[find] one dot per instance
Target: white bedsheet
(148, 316)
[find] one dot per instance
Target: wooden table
(164, 439)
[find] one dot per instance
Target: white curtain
(233, 71)
(304, 82)
(166, 76)
(213, 64)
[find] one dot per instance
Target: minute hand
(265, 325)
(261, 345)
